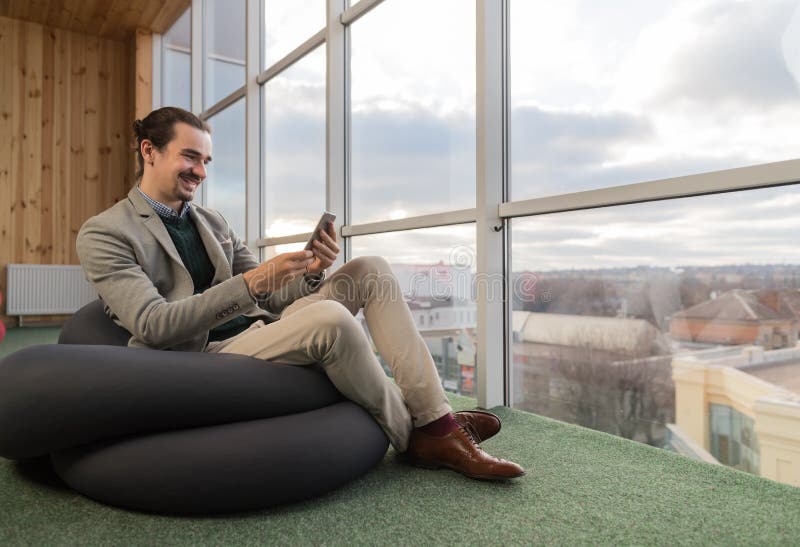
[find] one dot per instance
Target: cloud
(406, 161)
(732, 53)
(572, 136)
(681, 88)
(416, 161)
(709, 230)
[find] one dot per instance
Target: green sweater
(193, 253)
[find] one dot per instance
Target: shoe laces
(472, 435)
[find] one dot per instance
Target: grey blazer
(131, 261)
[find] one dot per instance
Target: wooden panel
(31, 44)
(116, 19)
(7, 39)
(144, 73)
(66, 105)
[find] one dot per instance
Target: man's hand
(271, 275)
(325, 250)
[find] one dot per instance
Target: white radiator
(46, 289)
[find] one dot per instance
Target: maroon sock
(441, 426)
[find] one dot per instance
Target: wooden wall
(66, 107)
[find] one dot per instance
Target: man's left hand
(325, 250)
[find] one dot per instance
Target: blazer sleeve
(111, 265)
(276, 301)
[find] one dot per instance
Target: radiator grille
(46, 289)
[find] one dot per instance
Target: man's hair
(159, 128)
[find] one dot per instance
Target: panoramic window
(176, 64)
(436, 271)
(289, 23)
(294, 147)
(225, 186)
(605, 300)
(225, 49)
(613, 309)
(413, 110)
(618, 92)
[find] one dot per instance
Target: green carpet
(20, 337)
(582, 487)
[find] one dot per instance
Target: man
(176, 276)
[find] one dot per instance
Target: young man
(176, 276)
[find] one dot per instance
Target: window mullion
(490, 184)
(198, 51)
(337, 109)
(253, 212)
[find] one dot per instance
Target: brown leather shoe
(483, 425)
(459, 451)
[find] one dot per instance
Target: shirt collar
(164, 210)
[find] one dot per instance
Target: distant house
(766, 318)
(608, 373)
(629, 337)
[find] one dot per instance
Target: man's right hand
(271, 275)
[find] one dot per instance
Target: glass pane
(225, 49)
(413, 109)
(614, 307)
(294, 147)
(225, 186)
(176, 67)
(733, 440)
(436, 271)
(618, 92)
(289, 23)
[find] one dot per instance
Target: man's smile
(189, 180)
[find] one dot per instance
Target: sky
(602, 94)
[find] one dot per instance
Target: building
(607, 373)
(765, 318)
(740, 406)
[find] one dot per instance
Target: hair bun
(138, 127)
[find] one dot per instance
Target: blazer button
(236, 306)
(224, 313)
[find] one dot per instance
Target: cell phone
(326, 217)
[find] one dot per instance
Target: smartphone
(323, 223)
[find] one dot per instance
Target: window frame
(493, 209)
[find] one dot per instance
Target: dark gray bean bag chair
(179, 432)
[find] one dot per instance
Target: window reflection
(435, 268)
(631, 319)
(225, 185)
(413, 109)
(733, 439)
(225, 49)
(610, 93)
(294, 147)
(176, 68)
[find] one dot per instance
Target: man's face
(179, 168)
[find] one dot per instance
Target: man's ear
(146, 148)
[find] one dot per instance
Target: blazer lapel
(222, 269)
(153, 223)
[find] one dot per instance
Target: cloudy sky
(602, 93)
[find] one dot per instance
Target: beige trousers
(321, 328)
